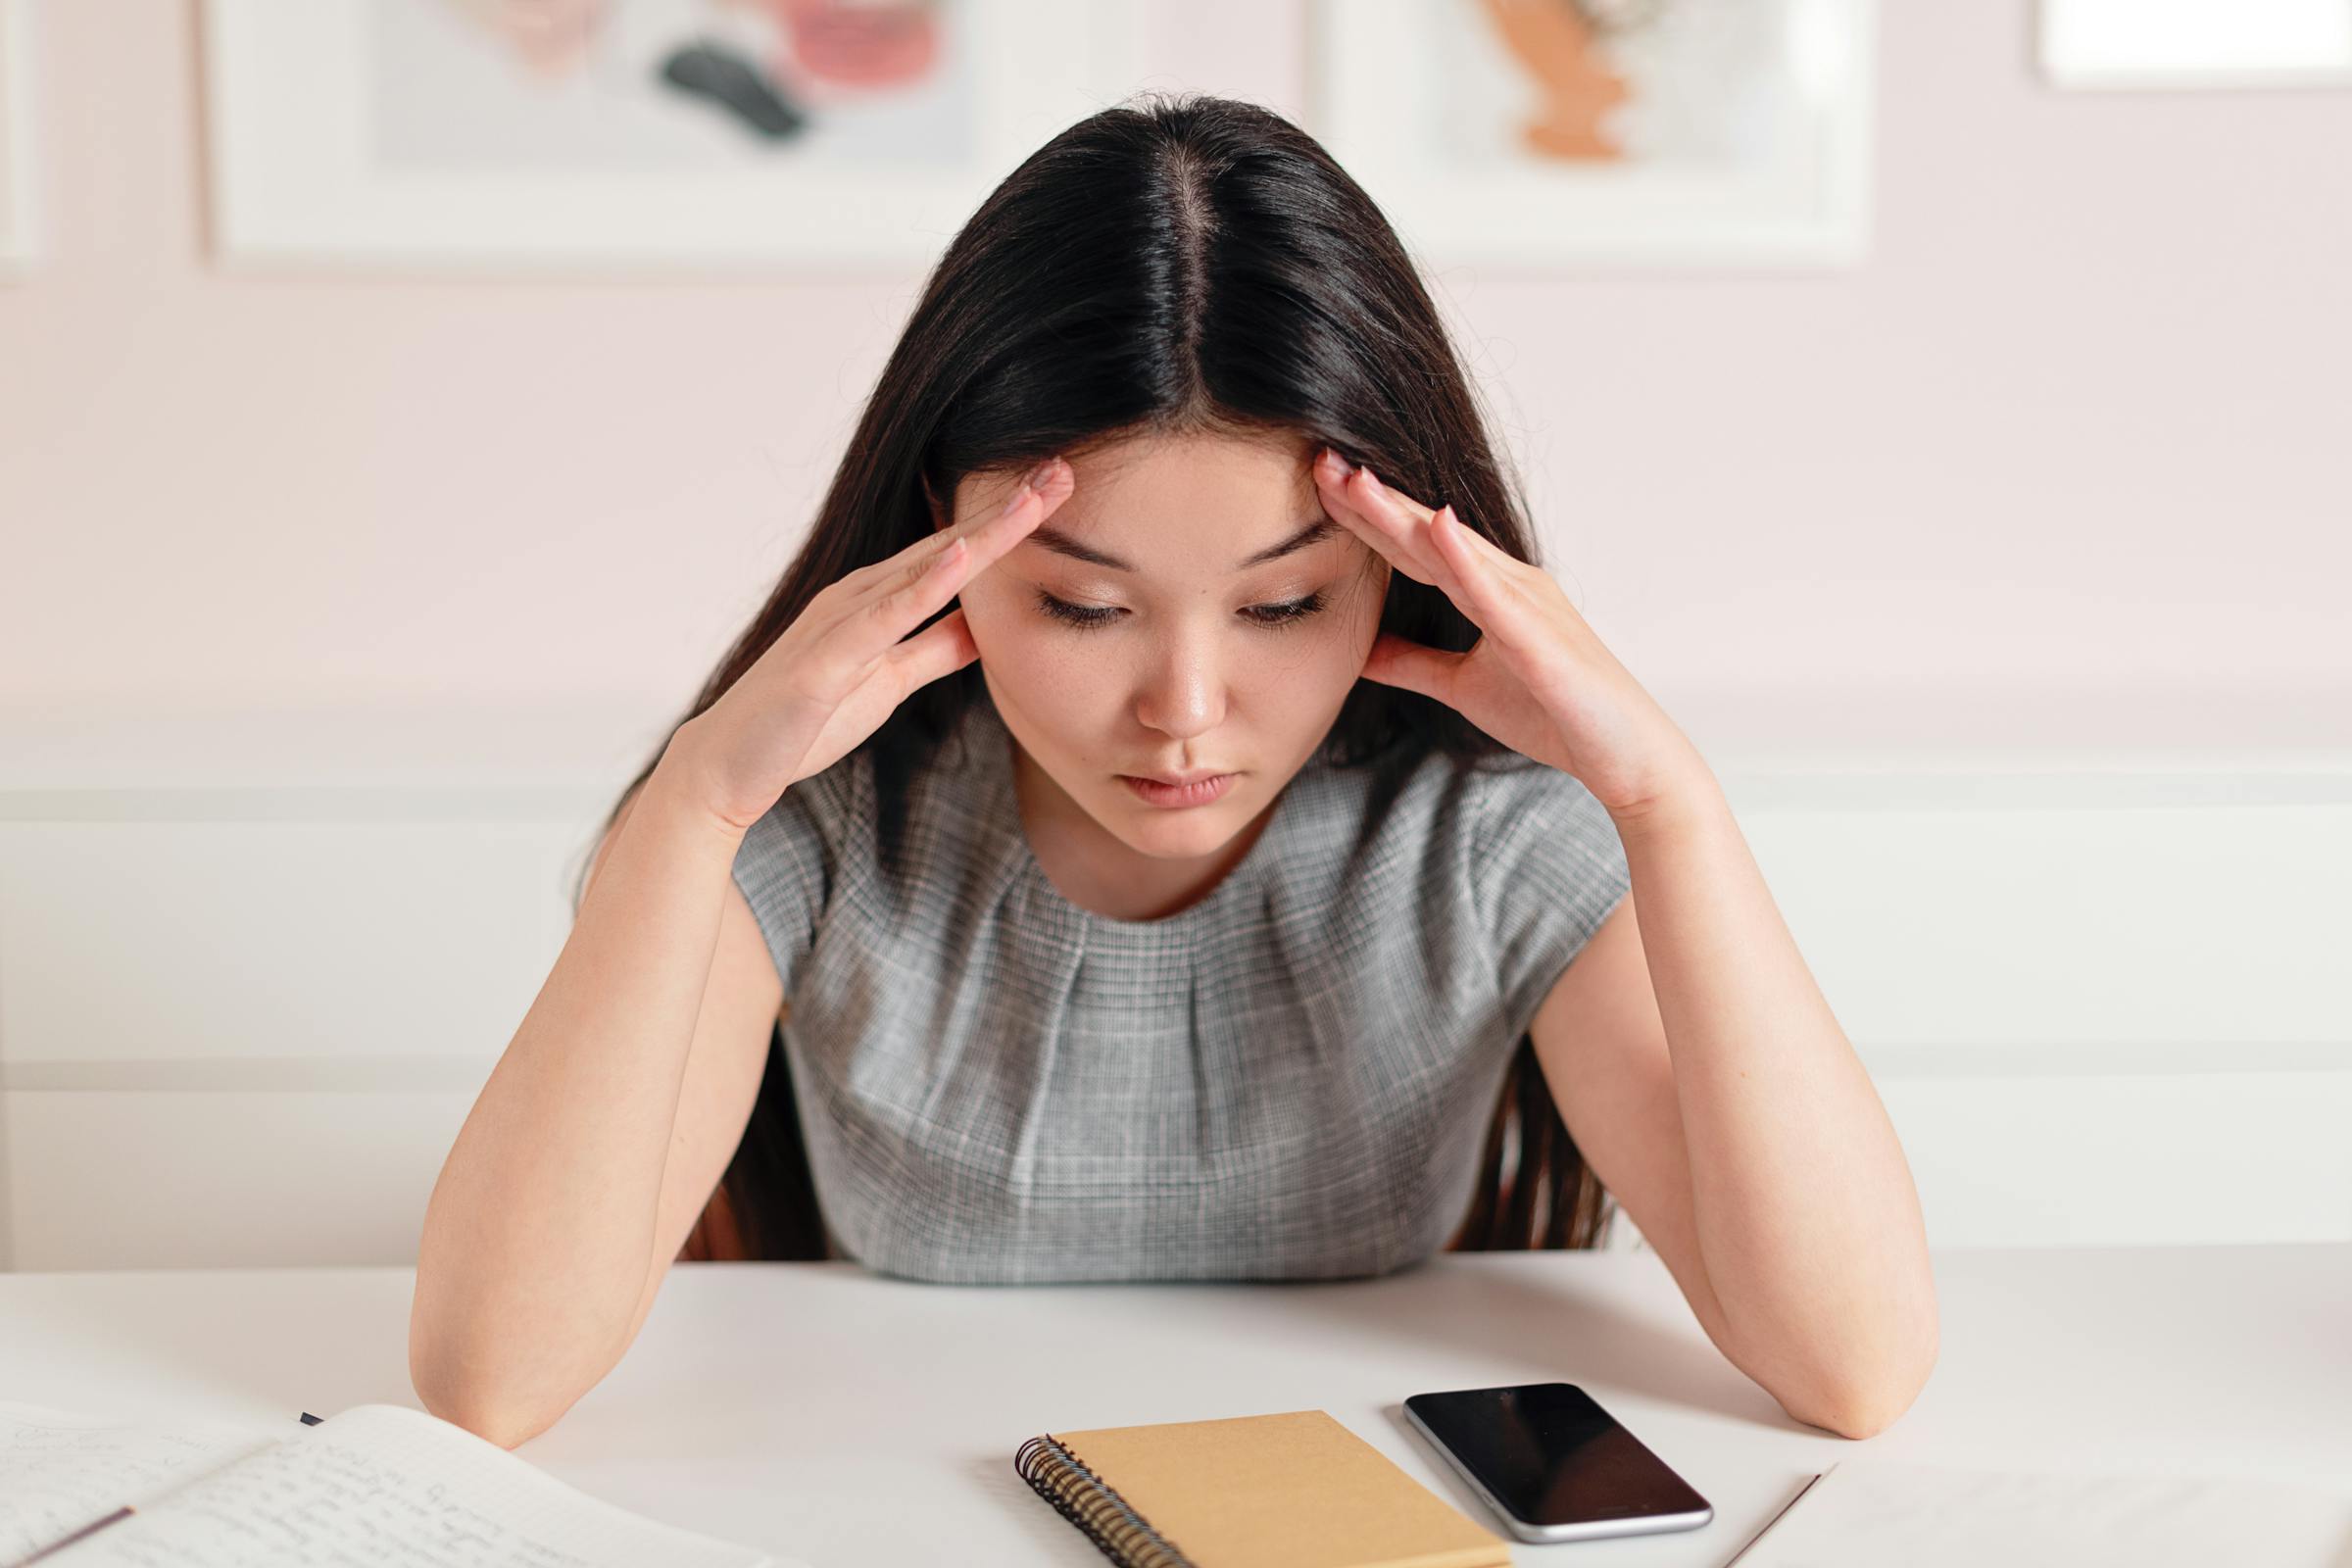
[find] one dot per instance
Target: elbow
(465, 1408)
(1870, 1399)
(1874, 1371)
(1857, 1416)
(450, 1394)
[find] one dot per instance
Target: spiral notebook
(1296, 1490)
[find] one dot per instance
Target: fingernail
(1032, 480)
(1042, 472)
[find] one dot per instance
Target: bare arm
(1701, 1071)
(608, 1121)
(543, 1240)
(1788, 1215)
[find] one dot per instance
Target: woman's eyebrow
(1048, 537)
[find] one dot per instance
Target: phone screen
(1550, 1455)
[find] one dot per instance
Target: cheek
(1357, 615)
(1000, 620)
(1021, 648)
(1301, 671)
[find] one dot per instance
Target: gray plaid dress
(1290, 1079)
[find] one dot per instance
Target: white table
(822, 1413)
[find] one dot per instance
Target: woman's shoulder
(1487, 801)
(812, 829)
(1501, 788)
(1522, 811)
(939, 801)
(1546, 868)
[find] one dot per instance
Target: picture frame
(2136, 44)
(379, 133)
(1741, 138)
(19, 207)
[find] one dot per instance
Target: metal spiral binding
(1090, 1502)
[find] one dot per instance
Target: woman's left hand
(1538, 679)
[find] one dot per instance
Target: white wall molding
(248, 1075)
(240, 1022)
(324, 803)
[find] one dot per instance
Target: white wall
(2075, 428)
(2000, 576)
(243, 1026)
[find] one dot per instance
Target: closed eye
(1270, 617)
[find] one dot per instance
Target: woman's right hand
(840, 668)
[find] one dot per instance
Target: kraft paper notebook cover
(1296, 1490)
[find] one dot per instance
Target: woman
(1144, 492)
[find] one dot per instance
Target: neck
(1099, 871)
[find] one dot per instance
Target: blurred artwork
(1578, 81)
(1623, 131)
(498, 133)
(1553, 60)
(668, 83)
(15, 136)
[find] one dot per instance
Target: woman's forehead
(1217, 504)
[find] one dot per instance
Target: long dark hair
(1171, 266)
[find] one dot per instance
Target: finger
(1050, 482)
(1523, 576)
(1415, 666)
(1043, 489)
(942, 648)
(1402, 513)
(848, 648)
(999, 536)
(1477, 581)
(1405, 523)
(1369, 483)
(892, 607)
(1486, 595)
(1399, 517)
(985, 540)
(1381, 533)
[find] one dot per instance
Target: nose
(1183, 691)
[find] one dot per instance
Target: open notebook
(376, 1483)
(1869, 1511)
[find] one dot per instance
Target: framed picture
(18, 207)
(1542, 134)
(2196, 43)
(652, 133)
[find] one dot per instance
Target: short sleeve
(786, 866)
(1548, 869)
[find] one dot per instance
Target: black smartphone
(1555, 1464)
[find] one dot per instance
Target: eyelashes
(1270, 617)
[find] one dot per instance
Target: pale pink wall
(2079, 425)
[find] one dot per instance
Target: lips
(1177, 780)
(1212, 788)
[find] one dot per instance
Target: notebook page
(380, 1485)
(59, 1470)
(1872, 1511)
